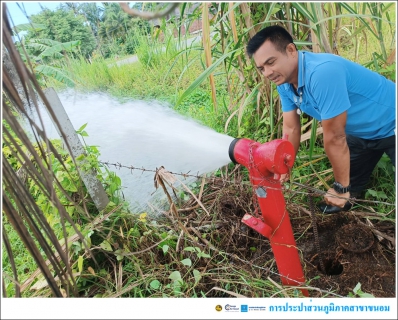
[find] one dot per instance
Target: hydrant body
(266, 162)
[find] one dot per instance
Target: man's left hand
(336, 199)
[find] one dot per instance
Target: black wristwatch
(338, 187)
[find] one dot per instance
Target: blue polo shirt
(328, 85)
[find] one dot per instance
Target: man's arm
(292, 128)
(336, 148)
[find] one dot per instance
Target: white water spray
(144, 135)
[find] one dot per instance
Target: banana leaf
(55, 73)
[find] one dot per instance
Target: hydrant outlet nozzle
(231, 150)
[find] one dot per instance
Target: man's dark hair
(278, 35)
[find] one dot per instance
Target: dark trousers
(364, 155)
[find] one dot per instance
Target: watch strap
(339, 188)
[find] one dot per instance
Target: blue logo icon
(244, 308)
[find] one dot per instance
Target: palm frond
(21, 93)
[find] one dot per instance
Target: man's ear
(291, 49)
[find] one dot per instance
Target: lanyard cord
(300, 99)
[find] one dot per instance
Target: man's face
(277, 66)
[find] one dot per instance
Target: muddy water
(144, 135)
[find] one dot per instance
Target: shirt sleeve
(287, 103)
(328, 86)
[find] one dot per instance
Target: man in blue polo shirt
(355, 105)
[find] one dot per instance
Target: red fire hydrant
(266, 162)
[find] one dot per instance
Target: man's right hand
(333, 198)
(284, 178)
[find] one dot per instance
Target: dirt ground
(351, 252)
(356, 247)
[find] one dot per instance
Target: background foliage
(208, 78)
